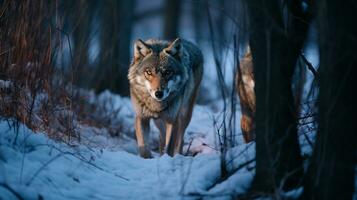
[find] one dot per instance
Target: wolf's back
(195, 60)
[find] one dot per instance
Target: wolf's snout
(159, 94)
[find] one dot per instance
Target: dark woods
(331, 171)
(90, 39)
(278, 33)
(111, 25)
(50, 48)
(45, 46)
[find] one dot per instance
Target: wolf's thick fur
(245, 86)
(245, 83)
(164, 80)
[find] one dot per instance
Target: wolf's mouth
(159, 100)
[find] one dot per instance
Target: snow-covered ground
(200, 137)
(105, 167)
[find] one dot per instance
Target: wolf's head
(157, 66)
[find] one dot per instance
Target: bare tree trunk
(331, 172)
(276, 42)
(197, 19)
(81, 22)
(126, 23)
(109, 46)
(172, 19)
(116, 24)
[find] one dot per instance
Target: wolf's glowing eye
(148, 72)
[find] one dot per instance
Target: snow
(103, 166)
(200, 136)
(106, 167)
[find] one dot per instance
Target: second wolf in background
(164, 80)
(245, 83)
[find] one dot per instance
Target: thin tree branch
(309, 65)
(17, 195)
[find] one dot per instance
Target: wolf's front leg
(161, 126)
(182, 122)
(142, 129)
(171, 131)
(179, 138)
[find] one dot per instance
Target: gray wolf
(164, 80)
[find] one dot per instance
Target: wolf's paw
(169, 150)
(145, 152)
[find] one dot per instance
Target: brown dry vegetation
(33, 91)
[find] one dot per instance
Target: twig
(42, 167)
(224, 178)
(309, 65)
(96, 166)
(232, 118)
(240, 153)
(223, 90)
(307, 116)
(5, 52)
(189, 146)
(17, 195)
(308, 140)
(3, 11)
(80, 157)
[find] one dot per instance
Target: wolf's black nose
(159, 94)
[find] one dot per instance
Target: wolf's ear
(141, 49)
(174, 49)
